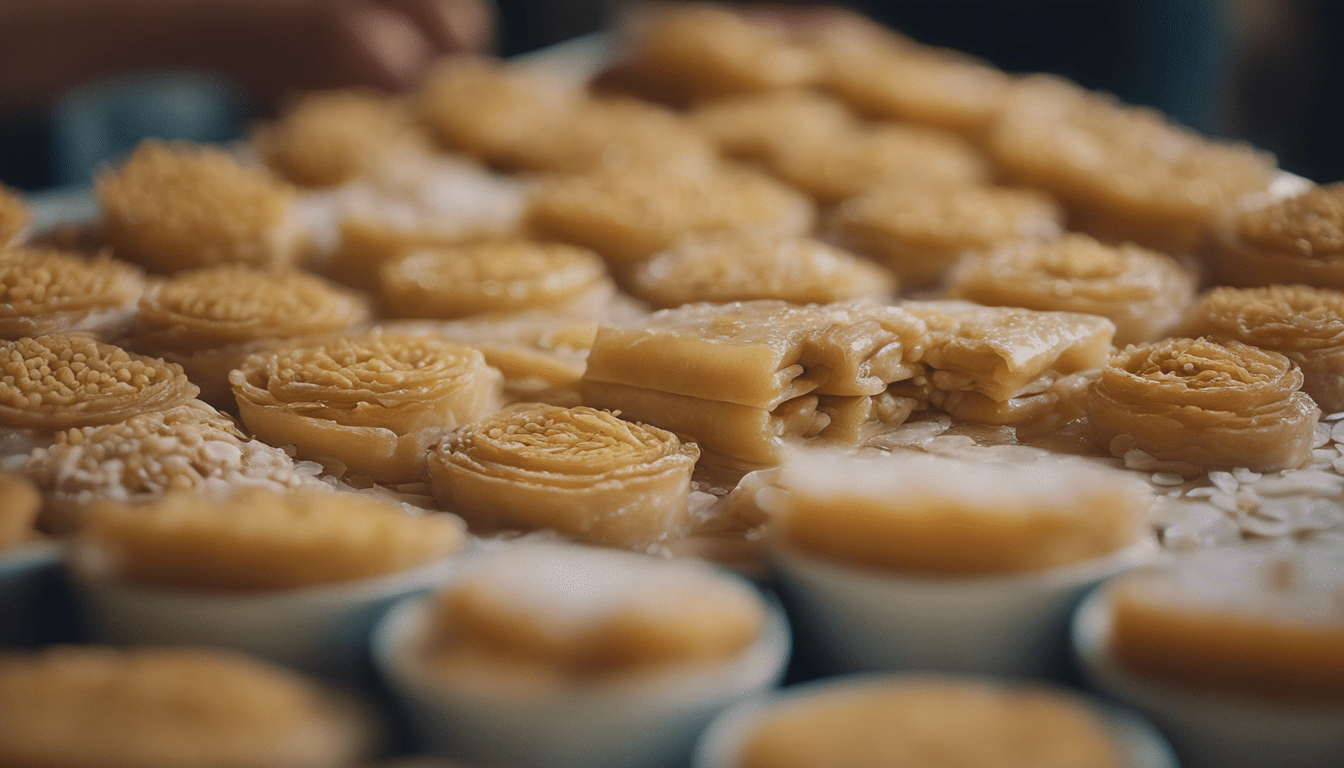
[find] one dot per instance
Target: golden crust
(47, 291)
(748, 127)
(14, 215)
(20, 502)
(1298, 240)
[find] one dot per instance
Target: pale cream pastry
(20, 502)
(495, 277)
(1144, 292)
(365, 405)
(257, 539)
(746, 266)
(749, 126)
(627, 216)
(208, 319)
(1297, 240)
(586, 473)
(325, 138)
(1213, 405)
(101, 707)
(1302, 323)
(14, 216)
(919, 231)
(1124, 173)
(48, 291)
(173, 206)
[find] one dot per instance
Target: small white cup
(1212, 729)
(651, 722)
(858, 618)
(322, 629)
(25, 573)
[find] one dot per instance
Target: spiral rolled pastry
(1143, 292)
(173, 206)
(581, 471)
(45, 291)
(373, 404)
(14, 215)
(1210, 404)
(499, 276)
(207, 320)
(1302, 323)
(58, 382)
(1298, 240)
(748, 127)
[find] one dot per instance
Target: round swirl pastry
(1298, 240)
(58, 382)
(47, 291)
(100, 707)
(581, 471)
(209, 319)
(259, 539)
(747, 127)
(372, 404)
(494, 276)
(20, 502)
(1142, 291)
(14, 215)
(1210, 404)
(1302, 323)
(746, 266)
(172, 206)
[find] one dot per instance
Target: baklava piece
(258, 539)
(749, 127)
(627, 216)
(369, 405)
(1123, 173)
(1218, 406)
(1302, 323)
(583, 472)
(207, 320)
(20, 503)
(14, 215)
(1298, 240)
(46, 291)
(919, 231)
(173, 206)
(937, 722)
(495, 277)
(745, 266)
(328, 138)
(102, 707)
(929, 515)
(742, 377)
(1142, 291)
(1263, 621)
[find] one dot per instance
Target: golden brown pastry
(20, 502)
(173, 206)
(1298, 240)
(258, 539)
(1123, 172)
(585, 473)
(1213, 405)
(14, 215)
(919, 231)
(100, 707)
(368, 405)
(931, 722)
(748, 127)
(495, 276)
(1142, 291)
(1302, 323)
(207, 320)
(57, 382)
(747, 266)
(46, 291)
(627, 216)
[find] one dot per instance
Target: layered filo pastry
(173, 206)
(1209, 404)
(1142, 291)
(741, 378)
(208, 319)
(586, 473)
(45, 291)
(1297, 240)
(1302, 323)
(368, 405)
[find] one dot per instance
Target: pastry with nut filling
(47, 291)
(1297, 240)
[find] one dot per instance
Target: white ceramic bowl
(1140, 743)
(1210, 729)
(322, 629)
(651, 722)
(26, 572)
(855, 618)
